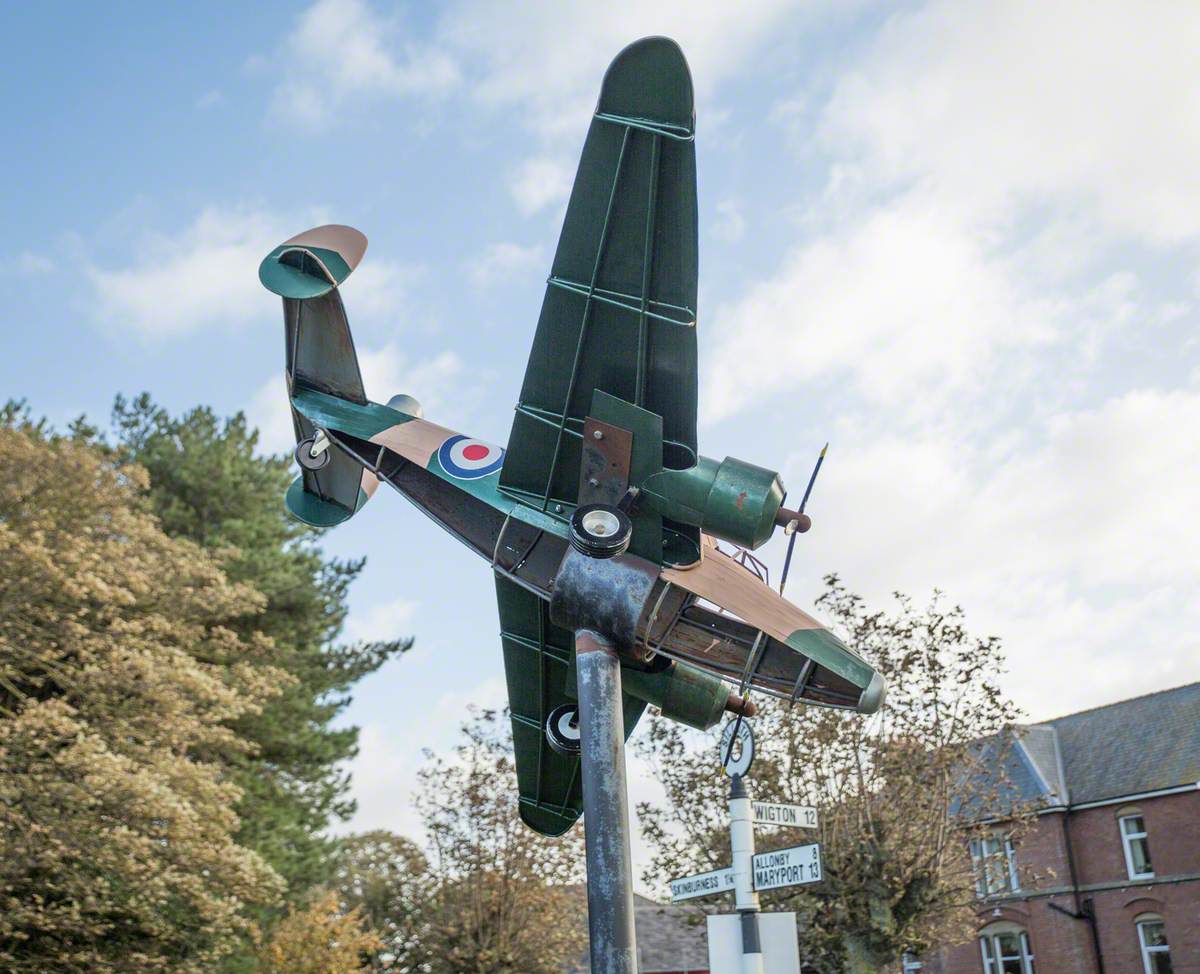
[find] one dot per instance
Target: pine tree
(207, 484)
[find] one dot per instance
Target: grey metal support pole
(605, 806)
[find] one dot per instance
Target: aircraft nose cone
(872, 698)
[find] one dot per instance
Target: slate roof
(1132, 747)
(670, 938)
(1145, 744)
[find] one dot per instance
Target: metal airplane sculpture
(600, 515)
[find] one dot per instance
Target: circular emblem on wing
(468, 459)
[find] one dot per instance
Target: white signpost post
(750, 942)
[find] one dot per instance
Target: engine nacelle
(732, 500)
(683, 693)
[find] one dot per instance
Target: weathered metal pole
(613, 947)
(741, 836)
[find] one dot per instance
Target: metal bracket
(320, 444)
(604, 467)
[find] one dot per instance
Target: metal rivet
(558, 508)
(593, 482)
(597, 434)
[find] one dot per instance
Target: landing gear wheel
(600, 530)
(305, 457)
(562, 730)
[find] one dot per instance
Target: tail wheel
(600, 530)
(562, 729)
(310, 455)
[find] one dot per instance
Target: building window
(1137, 849)
(911, 963)
(1005, 950)
(995, 862)
(1152, 937)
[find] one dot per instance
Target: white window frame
(1148, 949)
(986, 860)
(993, 959)
(1127, 840)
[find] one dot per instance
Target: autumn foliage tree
(322, 938)
(898, 793)
(501, 899)
(120, 681)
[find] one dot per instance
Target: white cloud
(209, 99)
(548, 57)
(1057, 105)
(1068, 538)
(206, 276)
(540, 181)
(386, 371)
(269, 412)
(984, 297)
(30, 264)
(203, 276)
(905, 308)
(341, 50)
(502, 262)
(730, 224)
(382, 621)
(384, 773)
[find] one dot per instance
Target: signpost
(703, 884)
(750, 942)
(798, 816)
(797, 866)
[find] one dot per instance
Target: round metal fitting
(562, 729)
(737, 747)
(600, 530)
(306, 458)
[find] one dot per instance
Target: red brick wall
(1062, 945)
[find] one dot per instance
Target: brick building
(1108, 879)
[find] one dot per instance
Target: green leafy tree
(208, 485)
(502, 897)
(894, 790)
(121, 680)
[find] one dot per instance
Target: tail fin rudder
(319, 353)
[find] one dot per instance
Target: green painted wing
(538, 668)
(620, 307)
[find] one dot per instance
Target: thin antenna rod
(787, 562)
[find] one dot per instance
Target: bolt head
(593, 482)
(597, 434)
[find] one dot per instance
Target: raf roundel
(469, 459)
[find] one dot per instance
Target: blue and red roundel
(469, 459)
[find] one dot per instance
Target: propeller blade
(787, 561)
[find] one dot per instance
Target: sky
(958, 241)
